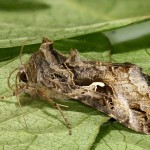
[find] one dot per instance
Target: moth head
(23, 74)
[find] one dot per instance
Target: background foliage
(112, 30)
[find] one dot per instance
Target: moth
(120, 90)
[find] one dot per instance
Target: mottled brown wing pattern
(120, 90)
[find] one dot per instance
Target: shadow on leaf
(21, 5)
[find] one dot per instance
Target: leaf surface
(71, 25)
(27, 21)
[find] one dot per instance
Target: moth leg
(57, 106)
(63, 106)
(14, 93)
(65, 118)
(7, 96)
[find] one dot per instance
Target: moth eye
(23, 77)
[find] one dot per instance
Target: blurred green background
(114, 30)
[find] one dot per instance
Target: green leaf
(27, 20)
(77, 25)
(115, 136)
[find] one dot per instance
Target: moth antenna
(21, 50)
(57, 106)
(16, 94)
(8, 80)
(21, 53)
